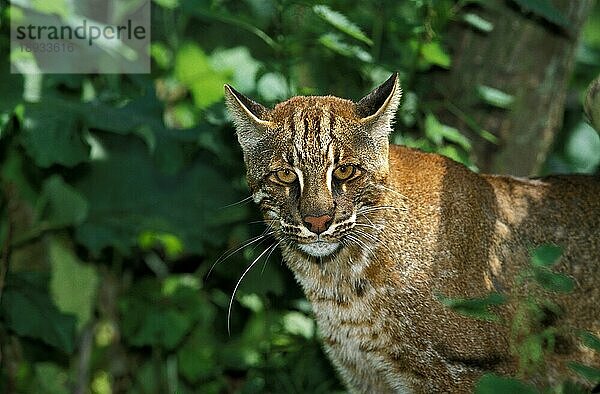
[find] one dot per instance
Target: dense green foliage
(120, 192)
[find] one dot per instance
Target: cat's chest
(356, 340)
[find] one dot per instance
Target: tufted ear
(249, 117)
(378, 108)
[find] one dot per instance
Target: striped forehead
(311, 135)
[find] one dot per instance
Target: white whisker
(247, 243)
(240, 281)
(237, 203)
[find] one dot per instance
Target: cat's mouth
(319, 248)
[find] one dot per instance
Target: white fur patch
(319, 248)
(259, 196)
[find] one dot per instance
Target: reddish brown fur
(446, 230)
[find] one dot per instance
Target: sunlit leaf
(434, 53)
(592, 374)
(583, 147)
(73, 285)
(478, 22)
(240, 63)
(172, 245)
(299, 324)
(438, 132)
(193, 68)
(273, 87)
(495, 97)
(341, 22)
(590, 340)
(336, 44)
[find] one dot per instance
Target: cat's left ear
(378, 108)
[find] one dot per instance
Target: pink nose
(317, 224)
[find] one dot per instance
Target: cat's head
(314, 164)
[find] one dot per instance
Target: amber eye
(345, 172)
(286, 176)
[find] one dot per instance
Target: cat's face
(316, 164)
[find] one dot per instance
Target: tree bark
(523, 56)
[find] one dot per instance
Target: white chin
(319, 248)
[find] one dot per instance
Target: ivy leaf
(341, 22)
(546, 255)
(590, 340)
(474, 307)
(495, 384)
(27, 309)
(589, 373)
(552, 281)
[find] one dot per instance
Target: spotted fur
(408, 227)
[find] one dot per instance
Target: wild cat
(374, 233)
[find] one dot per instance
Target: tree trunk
(525, 57)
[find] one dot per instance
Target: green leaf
(27, 310)
(197, 357)
(50, 379)
(297, 323)
(437, 132)
(545, 9)
(193, 69)
(51, 136)
(474, 307)
(340, 22)
(478, 22)
(154, 317)
(495, 384)
(129, 196)
(583, 146)
(555, 282)
(172, 245)
(335, 43)
(60, 205)
(590, 340)
(589, 373)
(240, 63)
(495, 97)
(546, 255)
(73, 285)
(433, 53)
(273, 87)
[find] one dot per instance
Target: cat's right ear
(249, 117)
